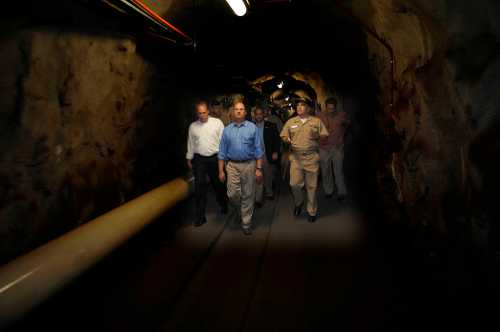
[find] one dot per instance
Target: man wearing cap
(240, 153)
(303, 133)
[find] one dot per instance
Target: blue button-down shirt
(240, 142)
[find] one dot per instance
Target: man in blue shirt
(240, 151)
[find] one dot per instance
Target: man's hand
(190, 164)
(274, 156)
(222, 176)
(258, 176)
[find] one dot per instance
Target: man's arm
(189, 154)
(259, 153)
(347, 120)
(220, 129)
(275, 141)
(285, 135)
(222, 156)
(322, 130)
(222, 175)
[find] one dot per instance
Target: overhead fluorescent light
(238, 7)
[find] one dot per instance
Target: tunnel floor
(290, 275)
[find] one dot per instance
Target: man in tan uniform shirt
(303, 133)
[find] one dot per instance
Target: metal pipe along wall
(32, 278)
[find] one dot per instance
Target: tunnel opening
(417, 154)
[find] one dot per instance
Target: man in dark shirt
(271, 144)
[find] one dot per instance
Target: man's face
(202, 113)
(258, 115)
(330, 108)
(217, 110)
(302, 108)
(239, 112)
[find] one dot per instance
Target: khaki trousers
(304, 169)
(332, 163)
(267, 185)
(241, 189)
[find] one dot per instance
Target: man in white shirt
(202, 149)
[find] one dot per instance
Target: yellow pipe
(32, 278)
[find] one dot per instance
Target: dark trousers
(203, 167)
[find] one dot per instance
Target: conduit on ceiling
(151, 15)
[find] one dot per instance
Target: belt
(202, 156)
(304, 152)
(240, 161)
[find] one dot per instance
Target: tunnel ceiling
(274, 35)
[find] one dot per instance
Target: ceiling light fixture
(280, 84)
(238, 7)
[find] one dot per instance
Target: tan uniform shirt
(304, 136)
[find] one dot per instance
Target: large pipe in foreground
(32, 278)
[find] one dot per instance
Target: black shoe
(341, 198)
(297, 210)
(200, 222)
(328, 195)
(311, 218)
(258, 205)
(223, 209)
(247, 231)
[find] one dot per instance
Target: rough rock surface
(76, 115)
(446, 78)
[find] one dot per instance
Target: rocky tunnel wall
(87, 123)
(439, 139)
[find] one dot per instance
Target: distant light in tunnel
(238, 7)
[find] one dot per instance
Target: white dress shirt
(204, 137)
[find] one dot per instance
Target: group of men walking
(241, 159)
